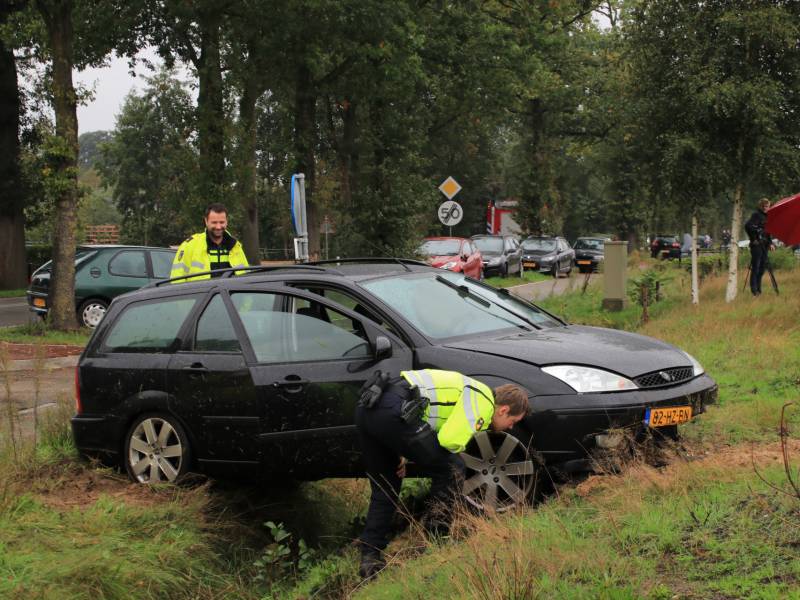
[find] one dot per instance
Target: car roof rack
(226, 273)
(404, 262)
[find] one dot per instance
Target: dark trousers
(384, 438)
(758, 264)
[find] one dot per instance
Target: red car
(454, 254)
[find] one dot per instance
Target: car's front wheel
(92, 312)
(500, 472)
(156, 449)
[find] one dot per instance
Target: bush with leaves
(281, 559)
(647, 285)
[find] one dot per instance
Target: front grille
(665, 377)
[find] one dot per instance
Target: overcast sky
(111, 84)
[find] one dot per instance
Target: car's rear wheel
(91, 312)
(500, 472)
(156, 449)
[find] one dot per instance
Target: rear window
(149, 326)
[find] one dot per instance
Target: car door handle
(196, 369)
(292, 386)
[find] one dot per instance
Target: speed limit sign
(450, 213)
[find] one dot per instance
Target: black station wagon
(258, 374)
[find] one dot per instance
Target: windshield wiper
(465, 291)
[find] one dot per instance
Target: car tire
(500, 472)
(91, 312)
(156, 449)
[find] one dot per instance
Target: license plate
(38, 302)
(532, 265)
(584, 262)
(663, 417)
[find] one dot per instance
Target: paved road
(14, 311)
(554, 287)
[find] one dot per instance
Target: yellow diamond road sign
(449, 188)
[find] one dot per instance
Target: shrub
(648, 284)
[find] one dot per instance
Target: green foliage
(39, 332)
(281, 559)
(648, 287)
(708, 265)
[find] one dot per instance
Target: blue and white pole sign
(299, 223)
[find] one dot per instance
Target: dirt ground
(20, 351)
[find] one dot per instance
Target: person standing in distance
(211, 249)
(427, 416)
(760, 244)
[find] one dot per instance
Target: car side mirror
(383, 347)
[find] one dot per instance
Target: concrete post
(615, 266)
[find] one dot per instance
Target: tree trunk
(695, 282)
(733, 258)
(13, 262)
(210, 110)
(305, 119)
(246, 171)
(348, 155)
(57, 16)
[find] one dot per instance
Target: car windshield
(589, 244)
(489, 245)
(440, 247)
(539, 245)
(449, 305)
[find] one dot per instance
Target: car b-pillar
(615, 266)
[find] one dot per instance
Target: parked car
(589, 253)
(665, 246)
(259, 375)
(101, 274)
(501, 254)
(455, 254)
(552, 255)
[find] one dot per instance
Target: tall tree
(13, 264)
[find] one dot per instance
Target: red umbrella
(783, 220)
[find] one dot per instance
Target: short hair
(514, 397)
(763, 203)
(216, 207)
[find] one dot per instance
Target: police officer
(428, 417)
(760, 244)
(211, 249)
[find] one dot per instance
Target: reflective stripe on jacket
(193, 257)
(459, 405)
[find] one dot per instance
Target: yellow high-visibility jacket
(193, 256)
(459, 407)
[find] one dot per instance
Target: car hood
(588, 252)
(438, 261)
(539, 253)
(628, 354)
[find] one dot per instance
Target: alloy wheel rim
(500, 472)
(155, 451)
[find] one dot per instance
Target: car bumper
(37, 302)
(97, 434)
(492, 269)
(565, 428)
(587, 262)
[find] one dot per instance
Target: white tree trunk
(695, 279)
(733, 264)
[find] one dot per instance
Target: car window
(539, 245)
(489, 244)
(215, 331)
(588, 244)
(440, 247)
(148, 326)
(440, 311)
(291, 329)
(352, 303)
(162, 263)
(128, 263)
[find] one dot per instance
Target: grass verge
(12, 293)
(527, 277)
(39, 332)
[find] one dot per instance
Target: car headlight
(587, 379)
(450, 265)
(697, 368)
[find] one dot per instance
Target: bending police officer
(426, 416)
(211, 249)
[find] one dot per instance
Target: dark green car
(101, 274)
